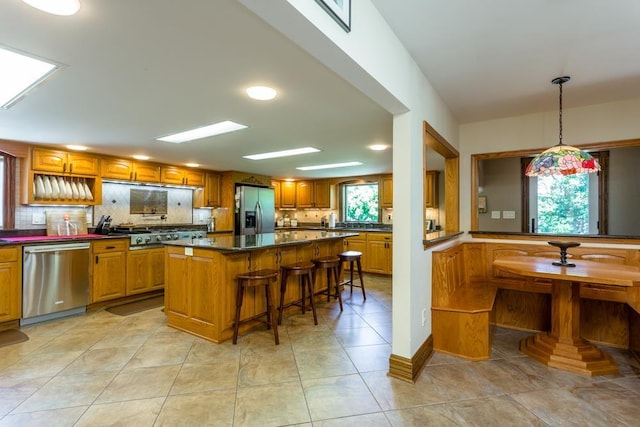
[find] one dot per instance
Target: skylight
(284, 153)
(20, 73)
(329, 166)
(203, 132)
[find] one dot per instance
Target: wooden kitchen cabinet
(180, 176)
(128, 170)
(431, 189)
(109, 270)
(385, 191)
(191, 306)
(64, 162)
(313, 194)
(10, 284)
(379, 253)
(276, 185)
(208, 196)
(145, 270)
(285, 194)
(357, 243)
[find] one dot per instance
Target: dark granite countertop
(260, 241)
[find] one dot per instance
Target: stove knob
(175, 236)
(147, 239)
(138, 240)
(158, 239)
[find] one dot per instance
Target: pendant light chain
(560, 115)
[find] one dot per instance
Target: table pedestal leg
(563, 347)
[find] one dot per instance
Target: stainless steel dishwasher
(55, 281)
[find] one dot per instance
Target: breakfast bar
(200, 276)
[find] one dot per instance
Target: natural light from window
(361, 202)
(563, 204)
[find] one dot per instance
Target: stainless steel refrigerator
(255, 210)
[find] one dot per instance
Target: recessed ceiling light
(261, 93)
(20, 74)
(330, 166)
(378, 147)
(285, 153)
(77, 147)
(56, 7)
(193, 165)
(141, 157)
(203, 132)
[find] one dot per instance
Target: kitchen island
(200, 284)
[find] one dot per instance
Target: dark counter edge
(193, 243)
(542, 236)
(439, 237)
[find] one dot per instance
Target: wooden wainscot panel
(605, 322)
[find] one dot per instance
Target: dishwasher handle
(56, 248)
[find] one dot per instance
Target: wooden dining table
(562, 347)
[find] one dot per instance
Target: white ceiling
(136, 70)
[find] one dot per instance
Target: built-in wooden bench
(462, 303)
(469, 296)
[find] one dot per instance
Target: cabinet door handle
(136, 175)
(110, 247)
(64, 167)
(70, 167)
(130, 175)
(96, 259)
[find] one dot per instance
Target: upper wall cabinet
(52, 177)
(313, 194)
(386, 191)
(128, 170)
(55, 161)
(285, 194)
(179, 176)
(431, 189)
(210, 196)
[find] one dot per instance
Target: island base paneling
(200, 288)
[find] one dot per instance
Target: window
(360, 202)
(563, 204)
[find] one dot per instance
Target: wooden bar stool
(302, 270)
(251, 280)
(331, 265)
(351, 257)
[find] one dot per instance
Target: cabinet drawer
(109, 245)
(9, 254)
(379, 237)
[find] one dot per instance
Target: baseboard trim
(406, 369)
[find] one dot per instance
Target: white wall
(372, 59)
(596, 123)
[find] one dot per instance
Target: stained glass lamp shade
(562, 159)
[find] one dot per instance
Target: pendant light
(562, 159)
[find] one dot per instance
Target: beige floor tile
(305, 340)
(370, 357)
(345, 321)
(140, 383)
(198, 378)
(460, 381)
(205, 353)
(262, 339)
(385, 331)
(324, 363)
(213, 408)
(612, 399)
(100, 360)
(152, 354)
(561, 407)
(396, 394)
(438, 358)
(15, 391)
(630, 383)
(369, 420)
(271, 405)
(40, 365)
(123, 338)
(482, 412)
(72, 341)
(133, 413)
(62, 417)
(263, 367)
(378, 319)
(358, 337)
(66, 392)
(369, 307)
(441, 415)
(341, 396)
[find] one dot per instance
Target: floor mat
(12, 336)
(137, 306)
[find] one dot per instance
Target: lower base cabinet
(377, 251)
(145, 270)
(10, 285)
(109, 270)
